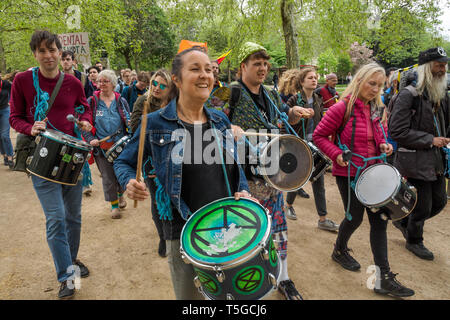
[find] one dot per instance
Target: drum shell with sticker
(116, 149)
(246, 272)
(58, 157)
(381, 188)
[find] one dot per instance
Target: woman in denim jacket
(185, 183)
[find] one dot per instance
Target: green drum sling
(230, 246)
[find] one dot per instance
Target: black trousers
(155, 215)
(431, 199)
(378, 226)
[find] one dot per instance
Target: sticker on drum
(377, 184)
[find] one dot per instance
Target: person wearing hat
(419, 124)
(328, 92)
(253, 106)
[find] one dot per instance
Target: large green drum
(229, 243)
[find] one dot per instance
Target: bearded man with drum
(61, 203)
(419, 124)
(253, 106)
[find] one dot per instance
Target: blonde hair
(163, 73)
(289, 82)
(354, 88)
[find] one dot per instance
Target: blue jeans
(5, 142)
(62, 209)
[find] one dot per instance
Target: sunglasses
(161, 86)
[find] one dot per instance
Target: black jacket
(412, 126)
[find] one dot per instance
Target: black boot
(388, 285)
(345, 259)
(162, 248)
(65, 292)
(420, 250)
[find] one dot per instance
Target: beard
(437, 89)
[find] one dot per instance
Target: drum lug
(55, 171)
(184, 258)
(413, 189)
(220, 276)
(404, 180)
(265, 255)
(29, 159)
(230, 296)
(197, 282)
(394, 201)
(384, 216)
(273, 281)
(63, 150)
(78, 158)
(405, 210)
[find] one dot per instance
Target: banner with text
(78, 43)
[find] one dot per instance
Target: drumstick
(261, 134)
(141, 146)
(104, 139)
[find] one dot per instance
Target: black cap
(433, 54)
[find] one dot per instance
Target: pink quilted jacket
(331, 123)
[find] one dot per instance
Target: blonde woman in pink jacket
(358, 115)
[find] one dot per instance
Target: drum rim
(83, 146)
(389, 199)
(237, 261)
(51, 180)
(264, 154)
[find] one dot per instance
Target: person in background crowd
(156, 97)
(126, 81)
(275, 80)
(6, 148)
(99, 65)
(213, 101)
(289, 86)
(110, 119)
(306, 97)
(67, 64)
(349, 78)
(137, 89)
(91, 84)
(328, 93)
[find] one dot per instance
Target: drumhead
(225, 232)
(287, 163)
(66, 139)
(377, 184)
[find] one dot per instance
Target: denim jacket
(160, 143)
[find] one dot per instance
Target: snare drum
(382, 187)
(230, 246)
(58, 157)
(321, 162)
(117, 148)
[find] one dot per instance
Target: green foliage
(328, 62)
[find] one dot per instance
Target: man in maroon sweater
(61, 203)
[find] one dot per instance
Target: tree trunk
(2, 58)
(290, 34)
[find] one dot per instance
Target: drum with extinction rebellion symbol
(230, 246)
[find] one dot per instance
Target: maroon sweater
(70, 95)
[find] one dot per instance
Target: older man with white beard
(419, 123)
